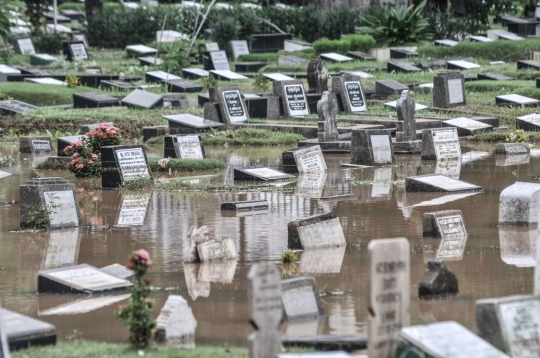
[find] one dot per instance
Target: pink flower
(77, 143)
(72, 162)
(144, 257)
(79, 166)
(94, 198)
(75, 155)
(94, 156)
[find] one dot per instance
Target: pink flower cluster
(140, 257)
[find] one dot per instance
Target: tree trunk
(92, 5)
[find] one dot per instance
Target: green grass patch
(251, 136)
(186, 165)
(51, 165)
(500, 137)
(41, 95)
(293, 122)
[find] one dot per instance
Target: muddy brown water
(159, 222)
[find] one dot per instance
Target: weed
(288, 256)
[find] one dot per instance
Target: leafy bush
(48, 42)
(519, 136)
(308, 24)
(445, 24)
(396, 25)
(72, 6)
(340, 46)
(362, 43)
(225, 29)
(260, 82)
(174, 57)
(332, 25)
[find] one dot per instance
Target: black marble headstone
(93, 100)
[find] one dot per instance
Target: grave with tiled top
(335, 57)
(467, 126)
(94, 100)
(24, 46)
(434, 183)
(493, 76)
(461, 65)
(515, 99)
(194, 73)
(143, 99)
(188, 123)
(406, 67)
(529, 122)
(389, 87)
(159, 76)
(228, 75)
(259, 173)
(74, 50)
(46, 81)
(361, 56)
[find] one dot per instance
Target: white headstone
(176, 324)
(61, 208)
(239, 48)
(382, 151)
(519, 204)
(310, 160)
(219, 60)
(188, 147)
(132, 163)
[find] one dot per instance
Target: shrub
(174, 58)
(332, 25)
(362, 43)
(445, 24)
(396, 25)
(519, 136)
(48, 42)
(308, 24)
(340, 46)
(225, 29)
(260, 82)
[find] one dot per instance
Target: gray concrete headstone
(371, 147)
(175, 325)
(440, 144)
(449, 89)
(301, 299)
(327, 111)
(195, 237)
(316, 231)
(405, 112)
(519, 204)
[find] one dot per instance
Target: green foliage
(138, 184)
(288, 256)
(478, 11)
(174, 58)
(251, 136)
(340, 46)
(501, 136)
(445, 24)
(261, 83)
(72, 81)
(35, 15)
(72, 6)
(332, 25)
(5, 16)
(518, 136)
(186, 165)
(137, 315)
(209, 81)
(48, 42)
(308, 24)
(39, 94)
(396, 25)
(363, 43)
(39, 219)
(225, 29)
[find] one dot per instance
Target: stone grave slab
(24, 46)
(122, 163)
(480, 39)
(467, 126)
(434, 183)
(512, 148)
(405, 67)
(13, 107)
(217, 250)
(461, 65)
(503, 35)
(389, 87)
(45, 81)
(4, 69)
(117, 270)
(446, 224)
(301, 299)
(296, 45)
(533, 65)
(322, 261)
(371, 147)
(194, 73)
(440, 144)
(308, 159)
(116, 85)
(219, 61)
(94, 100)
(175, 325)
(188, 123)
(278, 77)
(75, 50)
(95, 80)
(516, 99)
(437, 282)
(350, 96)
(79, 279)
(231, 105)
(358, 73)
(35, 145)
(211, 46)
(239, 48)
(493, 76)
(336, 57)
(182, 86)
(254, 205)
(397, 53)
(259, 173)
(445, 42)
(327, 109)
(228, 75)
(140, 51)
(252, 67)
(159, 76)
(23, 332)
(86, 128)
(143, 99)
(510, 324)
(519, 204)
(183, 147)
(316, 231)
(41, 59)
(150, 61)
(132, 211)
(293, 98)
(63, 142)
(292, 61)
(529, 122)
(361, 56)
(388, 294)
(439, 341)
(393, 106)
(449, 89)
(496, 63)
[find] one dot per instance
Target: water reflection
(518, 245)
(311, 185)
(200, 275)
(316, 262)
(407, 201)
(133, 209)
(473, 156)
(81, 306)
(512, 159)
(51, 249)
(307, 327)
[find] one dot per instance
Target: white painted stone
(217, 250)
(449, 340)
(6, 69)
(140, 48)
(389, 294)
(518, 99)
(239, 48)
(519, 203)
(336, 57)
(455, 91)
(358, 73)
(61, 208)
(86, 277)
(117, 270)
(163, 75)
(278, 77)
(446, 42)
(176, 324)
(382, 151)
(219, 60)
(448, 184)
(228, 74)
(393, 105)
(132, 163)
(197, 71)
(295, 45)
(464, 64)
(45, 81)
(170, 36)
(26, 46)
(328, 233)
(188, 147)
(481, 39)
(310, 160)
(467, 123)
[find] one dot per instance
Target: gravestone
(388, 294)
(317, 75)
(435, 183)
(301, 299)
(440, 144)
(122, 163)
(529, 122)
(437, 281)
(336, 57)
(405, 67)
(480, 39)
(175, 325)
(116, 85)
(516, 99)
(389, 87)
(222, 249)
(293, 100)
(140, 51)
(133, 209)
(258, 173)
(449, 339)
(327, 109)
(239, 48)
(512, 148)
(23, 332)
(230, 105)
(511, 324)
(533, 65)
(24, 46)
(446, 224)
(183, 147)
(74, 50)
(219, 61)
(278, 77)
(169, 35)
(362, 56)
(11, 107)
(159, 76)
(449, 89)
(519, 204)
(194, 73)
(371, 147)
(94, 100)
(63, 142)
(254, 205)
(117, 270)
(494, 77)
(467, 127)
(150, 61)
(309, 159)
(211, 46)
(35, 145)
(402, 53)
(7, 70)
(189, 124)
(349, 93)
(182, 86)
(406, 127)
(461, 65)
(265, 310)
(316, 231)
(446, 42)
(45, 81)
(143, 99)
(51, 200)
(227, 75)
(195, 237)
(41, 59)
(79, 279)
(296, 45)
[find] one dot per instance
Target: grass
(251, 136)
(185, 165)
(294, 122)
(41, 95)
(501, 137)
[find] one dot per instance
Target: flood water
(494, 261)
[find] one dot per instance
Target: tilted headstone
(349, 93)
(336, 57)
(94, 100)
(52, 200)
(317, 75)
(388, 294)
(437, 281)
(316, 231)
(188, 123)
(117, 85)
(217, 250)
(519, 204)
(183, 147)
(449, 89)
(176, 324)
(239, 48)
(143, 99)
(265, 310)
(435, 183)
(389, 87)
(257, 173)
(79, 279)
(24, 46)
(75, 50)
(327, 109)
(511, 324)
(529, 122)
(446, 224)
(41, 59)
(219, 61)
(140, 50)
(301, 299)
(194, 73)
(229, 102)
(228, 75)
(292, 97)
(159, 76)
(195, 237)
(309, 159)
(467, 126)
(512, 148)
(35, 145)
(440, 340)
(121, 163)
(516, 99)
(440, 144)
(405, 112)
(371, 147)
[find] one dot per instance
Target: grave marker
(219, 61)
(519, 204)
(388, 295)
(437, 281)
(194, 238)
(143, 99)
(230, 103)
(150, 61)
(494, 77)
(24, 332)
(243, 206)
(449, 89)
(440, 144)
(461, 65)
(94, 100)
(35, 145)
(159, 76)
(389, 87)
(140, 51)
(182, 86)
(405, 67)
(446, 42)
(117, 85)
(117, 270)
(317, 74)
(259, 173)
(41, 59)
(212, 46)
(24, 46)
(435, 183)
(239, 48)
(188, 123)
(217, 250)
(228, 75)
(316, 231)
(467, 127)
(351, 98)
(529, 122)
(336, 57)
(75, 50)
(293, 98)
(121, 163)
(446, 224)
(176, 324)
(371, 147)
(293, 61)
(183, 147)
(515, 99)
(301, 299)
(327, 109)
(11, 107)
(309, 159)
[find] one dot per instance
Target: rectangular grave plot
(181, 86)
(402, 54)
(405, 67)
(245, 206)
(79, 279)
(24, 46)
(159, 76)
(117, 85)
(259, 173)
(140, 51)
(440, 144)
(143, 99)
(438, 183)
(41, 59)
(194, 73)
(516, 100)
(246, 67)
(467, 126)
(23, 332)
(150, 61)
(530, 122)
(76, 51)
(94, 100)
(14, 107)
(39, 146)
(492, 76)
(188, 123)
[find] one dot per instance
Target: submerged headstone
(437, 281)
(327, 112)
(371, 147)
(35, 145)
(316, 231)
(257, 173)
(309, 159)
(183, 147)
(175, 325)
(195, 237)
(519, 204)
(440, 144)
(117, 270)
(301, 299)
(217, 250)
(512, 148)
(449, 89)
(122, 163)
(446, 224)
(438, 183)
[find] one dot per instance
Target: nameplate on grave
(133, 209)
(234, 106)
(512, 148)
(447, 224)
(301, 299)
(26, 46)
(455, 91)
(219, 60)
(61, 208)
(212, 46)
(296, 100)
(188, 147)
(239, 48)
(355, 96)
(78, 50)
(382, 150)
(310, 160)
(41, 146)
(132, 163)
(529, 122)
(440, 144)
(79, 279)
(316, 231)
(438, 183)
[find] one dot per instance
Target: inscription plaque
(61, 208)
(446, 143)
(41, 146)
(219, 60)
(455, 91)
(188, 147)
(522, 326)
(382, 152)
(296, 100)
(355, 96)
(310, 160)
(132, 163)
(234, 105)
(79, 51)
